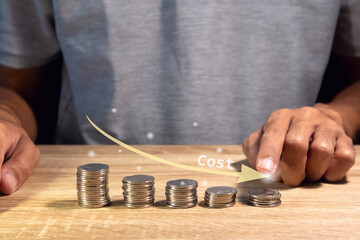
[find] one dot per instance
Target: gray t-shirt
(178, 72)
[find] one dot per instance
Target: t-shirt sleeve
(27, 33)
(347, 35)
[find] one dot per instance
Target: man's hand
(295, 144)
(20, 155)
(18, 128)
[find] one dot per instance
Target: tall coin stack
(264, 197)
(181, 193)
(138, 191)
(92, 185)
(220, 197)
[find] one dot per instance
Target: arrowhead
(248, 174)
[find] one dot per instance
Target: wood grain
(46, 207)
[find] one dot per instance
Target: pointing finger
(272, 141)
(251, 146)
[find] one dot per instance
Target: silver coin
(181, 206)
(94, 167)
(177, 199)
(221, 190)
(219, 196)
(264, 193)
(93, 194)
(92, 186)
(267, 205)
(220, 205)
(263, 199)
(140, 194)
(137, 189)
(135, 206)
(92, 178)
(131, 198)
(93, 205)
(91, 174)
(181, 189)
(99, 177)
(98, 191)
(222, 201)
(83, 173)
(138, 179)
(92, 201)
(180, 194)
(97, 199)
(182, 183)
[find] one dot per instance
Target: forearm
(13, 108)
(347, 104)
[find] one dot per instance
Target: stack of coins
(138, 191)
(264, 197)
(181, 193)
(92, 185)
(220, 197)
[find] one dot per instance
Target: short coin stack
(264, 197)
(181, 193)
(92, 185)
(220, 197)
(138, 191)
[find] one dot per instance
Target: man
(184, 72)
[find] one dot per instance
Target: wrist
(342, 114)
(331, 112)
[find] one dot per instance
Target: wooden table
(46, 207)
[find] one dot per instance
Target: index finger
(272, 141)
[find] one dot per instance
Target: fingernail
(267, 164)
(11, 181)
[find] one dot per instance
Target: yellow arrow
(247, 174)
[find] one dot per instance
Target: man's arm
(310, 142)
(18, 155)
(347, 103)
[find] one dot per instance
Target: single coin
(221, 190)
(138, 179)
(182, 183)
(189, 205)
(220, 205)
(132, 205)
(264, 193)
(267, 205)
(94, 167)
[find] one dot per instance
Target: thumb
(17, 169)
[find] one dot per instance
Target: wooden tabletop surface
(46, 207)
